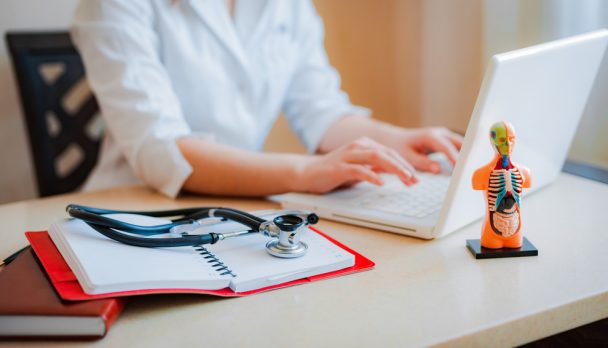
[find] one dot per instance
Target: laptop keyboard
(419, 200)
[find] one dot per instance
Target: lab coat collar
(220, 23)
(265, 17)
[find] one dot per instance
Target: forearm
(223, 170)
(350, 128)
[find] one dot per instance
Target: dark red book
(29, 305)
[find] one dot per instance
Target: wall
(375, 47)
(413, 62)
(452, 63)
(17, 178)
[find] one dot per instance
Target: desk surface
(421, 292)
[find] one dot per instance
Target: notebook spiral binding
(215, 263)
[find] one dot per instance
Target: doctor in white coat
(189, 90)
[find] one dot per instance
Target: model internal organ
(502, 182)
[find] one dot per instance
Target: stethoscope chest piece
(288, 243)
(275, 248)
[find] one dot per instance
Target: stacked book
(30, 307)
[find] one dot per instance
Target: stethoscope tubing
(188, 240)
(137, 235)
(94, 216)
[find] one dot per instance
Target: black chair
(61, 113)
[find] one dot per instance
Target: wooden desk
(421, 292)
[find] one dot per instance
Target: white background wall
(16, 173)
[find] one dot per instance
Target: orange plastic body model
(502, 181)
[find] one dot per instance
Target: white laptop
(542, 90)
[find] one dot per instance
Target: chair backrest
(61, 113)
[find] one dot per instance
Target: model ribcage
(503, 200)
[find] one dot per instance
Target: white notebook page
(102, 265)
(255, 268)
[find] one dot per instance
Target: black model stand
(527, 249)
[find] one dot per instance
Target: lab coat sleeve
(314, 100)
(120, 51)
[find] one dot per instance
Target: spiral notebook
(102, 265)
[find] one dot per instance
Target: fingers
(397, 156)
(423, 162)
(354, 173)
(455, 138)
(443, 145)
(367, 143)
(383, 161)
(428, 140)
(369, 153)
(443, 140)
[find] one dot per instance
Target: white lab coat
(163, 69)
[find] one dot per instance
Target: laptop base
(527, 249)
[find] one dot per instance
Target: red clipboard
(65, 283)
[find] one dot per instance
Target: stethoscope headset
(285, 230)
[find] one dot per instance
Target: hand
(415, 145)
(360, 160)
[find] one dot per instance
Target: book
(238, 265)
(30, 307)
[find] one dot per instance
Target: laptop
(542, 90)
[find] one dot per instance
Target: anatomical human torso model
(502, 181)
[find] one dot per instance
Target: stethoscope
(285, 230)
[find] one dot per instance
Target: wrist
(296, 177)
(388, 135)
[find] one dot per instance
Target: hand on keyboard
(360, 160)
(416, 144)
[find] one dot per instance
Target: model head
(502, 137)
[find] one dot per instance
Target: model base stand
(526, 249)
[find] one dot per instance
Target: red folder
(67, 286)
